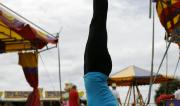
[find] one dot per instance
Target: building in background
(18, 98)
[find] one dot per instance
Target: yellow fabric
(29, 60)
(127, 72)
(169, 25)
(16, 47)
(176, 19)
(160, 7)
(128, 81)
(16, 31)
(12, 40)
(127, 77)
(7, 33)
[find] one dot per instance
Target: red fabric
(31, 75)
(28, 32)
(34, 98)
(164, 97)
(73, 98)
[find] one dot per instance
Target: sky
(129, 41)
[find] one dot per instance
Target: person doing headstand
(97, 61)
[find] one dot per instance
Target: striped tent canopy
(17, 35)
(133, 75)
(169, 15)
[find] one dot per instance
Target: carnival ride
(134, 77)
(169, 15)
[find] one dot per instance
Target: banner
(173, 103)
(29, 63)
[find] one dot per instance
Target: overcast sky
(129, 42)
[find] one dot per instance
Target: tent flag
(29, 63)
(169, 15)
(15, 31)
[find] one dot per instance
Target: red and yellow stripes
(169, 13)
(14, 31)
(29, 63)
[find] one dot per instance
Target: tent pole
(59, 74)
(134, 95)
(127, 95)
(141, 98)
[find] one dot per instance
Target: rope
(27, 20)
(166, 58)
(166, 64)
(152, 59)
(162, 61)
(167, 48)
(45, 68)
(176, 67)
(152, 62)
(149, 95)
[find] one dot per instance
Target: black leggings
(96, 57)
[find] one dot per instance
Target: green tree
(167, 88)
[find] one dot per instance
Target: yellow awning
(17, 35)
(135, 75)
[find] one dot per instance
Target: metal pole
(150, 7)
(59, 63)
(152, 59)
